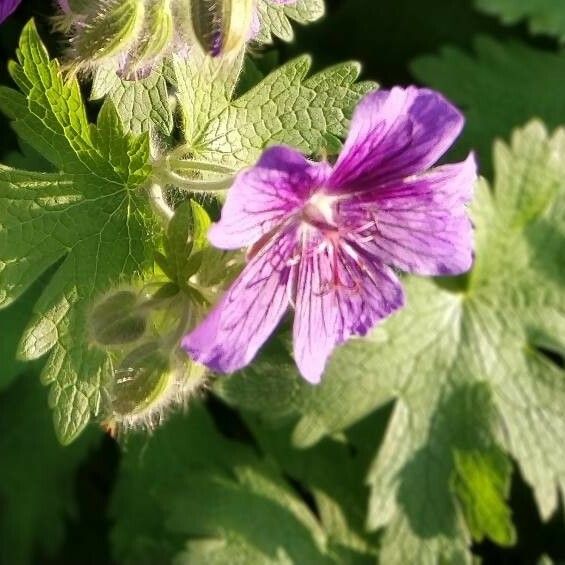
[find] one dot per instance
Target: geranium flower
(326, 239)
(7, 7)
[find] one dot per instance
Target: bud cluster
(140, 329)
(129, 36)
(133, 36)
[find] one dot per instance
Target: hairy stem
(159, 204)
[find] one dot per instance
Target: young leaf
(543, 16)
(275, 18)
(458, 348)
(285, 107)
(496, 90)
(37, 475)
(89, 217)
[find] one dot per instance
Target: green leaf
(465, 362)
(482, 484)
(37, 475)
(143, 104)
(275, 18)
(285, 107)
(494, 87)
(90, 217)
(543, 16)
(189, 491)
(333, 471)
(204, 87)
(13, 321)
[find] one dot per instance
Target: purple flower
(7, 7)
(324, 239)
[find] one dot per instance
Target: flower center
(319, 211)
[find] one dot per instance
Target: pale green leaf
(204, 88)
(285, 107)
(186, 238)
(275, 19)
(143, 104)
(89, 217)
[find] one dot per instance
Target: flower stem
(195, 185)
(159, 204)
(182, 164)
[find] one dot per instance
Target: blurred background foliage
(71, 505)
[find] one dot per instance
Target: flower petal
(395, 134)
(264, 196)
(233, 332)
(7, 7)
(420, 225)
(340, 293)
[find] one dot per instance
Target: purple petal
(341, 292)
(420, 225)
(255, 25)
(394, 134)
(264, 196)
(229, 338)
(7, 7)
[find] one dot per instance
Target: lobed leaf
(274, 19)
(285, 108)
(143, 104)
(89, 218)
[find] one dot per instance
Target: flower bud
(221, 27)
(127, 36)
(149, 381)
(140, 379)
(117, 319)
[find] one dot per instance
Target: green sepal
(117, 319)
(185, 240)
(141, 379)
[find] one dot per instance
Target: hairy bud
(128, 36)
(150, 380)
(221, 27)
(117, 319)
(140, 379)
(132, 37)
